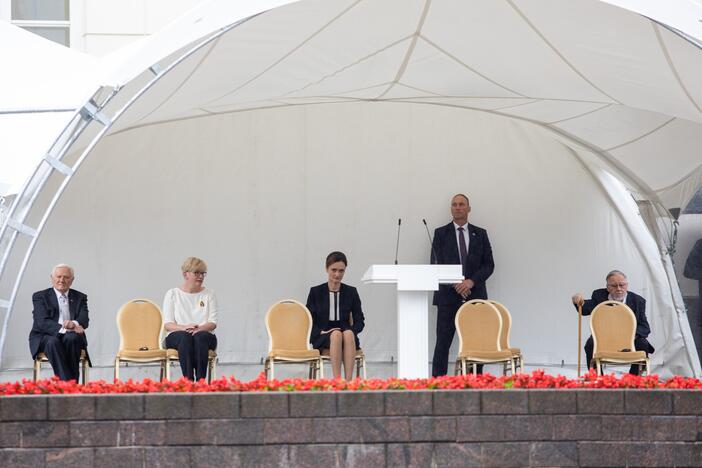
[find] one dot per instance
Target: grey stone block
(408, 403)
(191, 432)
(456, 402)
(648, 402)
(24, 408)
(312, 404)
(577, 427)
(337, 430)
(504, 454)
(504, 428)
(264, 405)
(337, 455)
(141, 433)
(620, 427)
(687, 402)
(239, 431)
(600, 401)
(602, 453)
(287, 431)
(10, 434)
(45, 434)
(215, 405)
(404, 455)
(651, 454)
(553, 454)
(360, 403)
(688, 454)
(162, 457)
(669, 428)
(430, 429)
(248, 456)
(69, 457)
(504, 402)
(458, 455)
(124, 407)
(363, 455)
(22, 458)
(72, 407)
(94, 434)
(313, 456)
(167, 406)
(552, 401)
(119, 457)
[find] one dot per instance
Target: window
(47, 18)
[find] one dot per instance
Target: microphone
(431, 243)
(397, 244)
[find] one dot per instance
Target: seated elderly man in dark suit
(60, 319)
(617, 290)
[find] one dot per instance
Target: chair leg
(598, 365)
(213, 370)
(37, 369)
(321, 368)
(168, 369)
(116, 368)
(272, 364)
(162, 371)
(265, 368)
(511, 363)
(85, 371)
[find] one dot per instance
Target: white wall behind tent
(264, 196)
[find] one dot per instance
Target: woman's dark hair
(336, 257)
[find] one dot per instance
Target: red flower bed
(537, 379)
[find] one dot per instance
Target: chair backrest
(506, 324)
(479, 325)
(613, 326)
(139, 322)
(289, 325)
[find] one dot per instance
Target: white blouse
(183, 308)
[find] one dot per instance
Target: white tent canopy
(260, 139)
(41, 86)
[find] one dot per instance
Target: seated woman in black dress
(337, 318)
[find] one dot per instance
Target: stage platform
(373, 428)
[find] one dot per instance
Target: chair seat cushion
(294, 353)
(136, 354)
(42, 357)
(173, 354)
(486, 355)
(325, 352)
(625, 356)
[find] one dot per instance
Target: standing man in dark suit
(458, 243)
(618, 290)
(60, 319)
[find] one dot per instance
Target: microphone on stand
(397, 244)
(431, 243)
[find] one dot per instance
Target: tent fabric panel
(677, 144)
(616, 50)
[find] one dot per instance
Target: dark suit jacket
(46, 315)
(479, 265)
(349, 306)
(635, 302)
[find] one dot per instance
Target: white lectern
(414, 282)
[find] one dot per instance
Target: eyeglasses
(617, 285)
(199, 273)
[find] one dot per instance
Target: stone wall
(396, 428)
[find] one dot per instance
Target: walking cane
(580, 333)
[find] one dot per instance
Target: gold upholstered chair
(517, 356)
(479, 325)
(41, 357)
(289, 325)
(613, 326)
(139, 322)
